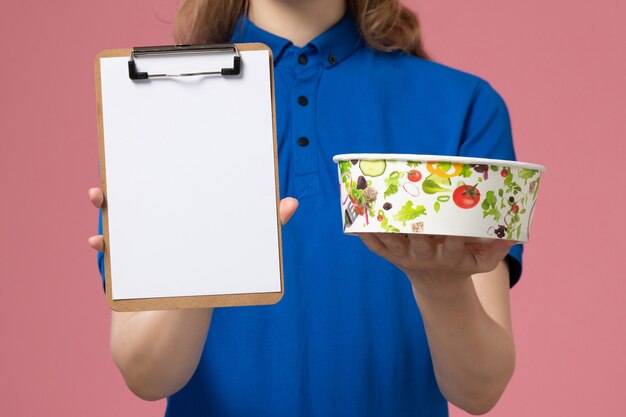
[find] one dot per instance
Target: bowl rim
(436, 158)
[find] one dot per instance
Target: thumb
(288, 206)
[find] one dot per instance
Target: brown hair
(386, 25)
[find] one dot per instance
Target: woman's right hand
(157, 352)
(287, 207)
(97, 198)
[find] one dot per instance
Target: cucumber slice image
(373, 168)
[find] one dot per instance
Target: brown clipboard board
(184, 301)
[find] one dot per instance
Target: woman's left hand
(467, 319)
(435, 262)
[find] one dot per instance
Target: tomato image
(466, 196)
(414, 175)
(357, 207)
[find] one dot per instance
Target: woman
(382, 326)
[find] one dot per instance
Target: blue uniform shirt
(347, 339)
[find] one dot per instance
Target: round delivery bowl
(437, 195)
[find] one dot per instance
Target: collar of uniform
(339, 41)
(334, 45)
(246, 31)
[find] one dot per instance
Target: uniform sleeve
(101, 254)
(487, 134)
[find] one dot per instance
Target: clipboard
(189, 170)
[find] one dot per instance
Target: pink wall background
(560, 65)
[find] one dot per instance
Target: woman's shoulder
(441, 85)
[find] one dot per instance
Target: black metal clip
(133, 74)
